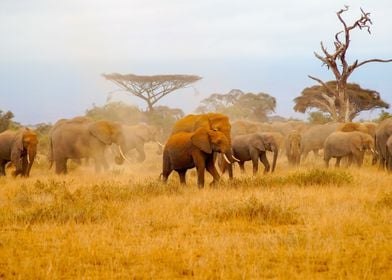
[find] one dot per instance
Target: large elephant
(383, 132)
(209, 121)
(313, 138)
(293, 148)
(185, 150)
(20, 148)
(352, 144)
(137, 135)
(83, 138)
(254, 147)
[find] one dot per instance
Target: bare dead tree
(150, 88)
(336, 61)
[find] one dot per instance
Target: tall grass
(308, 223)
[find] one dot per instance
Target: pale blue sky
(52, 53)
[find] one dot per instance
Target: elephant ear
(201, 139)
(258, 143)
(143, 132)
(102, 130)
(17, 145)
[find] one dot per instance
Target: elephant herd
(199, 141)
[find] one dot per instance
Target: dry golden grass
(308, 223)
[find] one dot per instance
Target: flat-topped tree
(150, 88)
(341, 107)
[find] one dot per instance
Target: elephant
(20, 148)
(210, 121)
(389, 153)
(137, 135)
(383, 132)
(313, 138)
(253, 147)
(293, 148)
(352, 144)
(185, 150)
(83, 138)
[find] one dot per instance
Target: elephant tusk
(122, 154)
(373, 151)
(159, 143)
(28, 158)
(226, 159)
(236, 159)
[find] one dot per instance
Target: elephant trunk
(229, 157)
(31, 153)
(276, 151)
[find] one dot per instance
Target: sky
(53, 53)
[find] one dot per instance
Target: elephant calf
(185, 150)
(352, 144)
(253, 147)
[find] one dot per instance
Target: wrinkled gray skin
(313, 138)
(20, 148)
(383, 132)
(137, 135)
(254, 147)
(352, 144)
(293, 148)
(389, 153)
(82, 138)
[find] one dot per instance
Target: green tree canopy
(237, 104)
(5, 120)
(116, 111)
(360, 99)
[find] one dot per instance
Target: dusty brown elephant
(82, 138)
(313, 138)
(352, 144)
(137, 135)
(383, 132)
(293, 148)
(209, 121)
(186, 150)
(20, 148)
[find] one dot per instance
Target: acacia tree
(363, 99)
(237, 104)
(150, 88)
(5, 120)
(335, 100)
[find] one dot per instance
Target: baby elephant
(185, 150)
(253, 147)
(352, 144)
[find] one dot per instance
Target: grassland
(306, 223)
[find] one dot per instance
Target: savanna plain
(302, 223)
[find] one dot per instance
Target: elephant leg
(2, 167)
(142, 155)
(255, 163)
(264, 160)
(61, 166)
(210, 167)
(337, 163)
(181, 174)
(200, 167)
(230, 170)
(242, 166)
